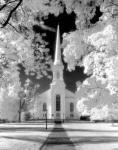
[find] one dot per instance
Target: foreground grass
(12, 144)
(72, 136)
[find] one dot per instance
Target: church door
(58, 107)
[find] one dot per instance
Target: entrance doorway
(58, 108)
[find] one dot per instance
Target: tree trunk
(19, 111)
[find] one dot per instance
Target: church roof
(68, 94)
(46, 93)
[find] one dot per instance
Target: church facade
(57, 103)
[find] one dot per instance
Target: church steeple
(58, 85)
(58, 65)
(57, 60)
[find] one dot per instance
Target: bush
(4, 121)
(85, 118)
(27, 116)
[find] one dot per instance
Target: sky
(67, 24)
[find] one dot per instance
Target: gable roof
(69, 94)
(46, 93)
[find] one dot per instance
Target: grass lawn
(72, 136)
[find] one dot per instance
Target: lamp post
(46, 119)
(19, 118)
(63, 118)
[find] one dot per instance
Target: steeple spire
(58, 60)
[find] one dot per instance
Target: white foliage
(100, 113)
(96, 49)
(96, 114)
(81, 107)
(92, 95)
(85, 82)
(8, 106)
(105, 112)
(104, 67)
(96, 100)
(103, 40)
(44, 6)
(14, 46)
(74, 48)
(2, 2)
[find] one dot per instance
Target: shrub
(27, 116)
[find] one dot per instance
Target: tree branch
(13, 27)
(5, 5)
(10, 14)
(22, 105)
(113, 3)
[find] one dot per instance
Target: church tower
(58, 85)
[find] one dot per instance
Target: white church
(57, 103)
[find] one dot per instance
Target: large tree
(94, 46)
(21, 48)
(95, 100)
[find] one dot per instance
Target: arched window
(44, 106)
(71, 107)
(57, 102)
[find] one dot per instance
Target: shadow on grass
(25, 128)
(56, 137)
(15, 129)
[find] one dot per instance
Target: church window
(71, 107)
(57, 102)
(44, 106)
